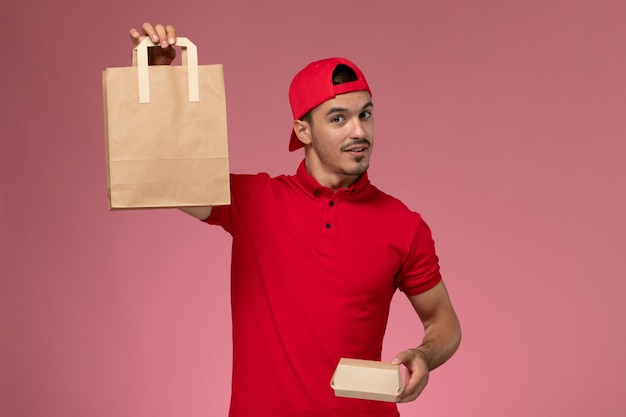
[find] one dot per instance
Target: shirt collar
(311, 185)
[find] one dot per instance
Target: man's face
(341, 138)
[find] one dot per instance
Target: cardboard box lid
(370, 380)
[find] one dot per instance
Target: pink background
(502, 122)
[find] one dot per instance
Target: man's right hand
(163, 35)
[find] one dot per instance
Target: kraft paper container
(368, 380)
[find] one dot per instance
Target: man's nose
(357, 131)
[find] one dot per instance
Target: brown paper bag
(165, 129)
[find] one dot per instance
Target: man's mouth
(357, 147)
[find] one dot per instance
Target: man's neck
(334, 181)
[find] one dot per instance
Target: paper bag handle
(189, 59)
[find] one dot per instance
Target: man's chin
(360, 167)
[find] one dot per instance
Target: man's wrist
(421, 351)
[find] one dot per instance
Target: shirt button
(328, 225)
(332, 203)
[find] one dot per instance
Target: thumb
(400, 358)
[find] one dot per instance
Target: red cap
(314, 85)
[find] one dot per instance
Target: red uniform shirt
(313, 274)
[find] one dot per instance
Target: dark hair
(341, 74)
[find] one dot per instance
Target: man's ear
(303, 131)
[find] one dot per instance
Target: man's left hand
(416, 376)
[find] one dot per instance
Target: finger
(151, 32)
(171, 34)
(409, 393)
(162, 33)
(413, 386)
(407, 397)
(135, 36)
(409, 387)
(401, 358)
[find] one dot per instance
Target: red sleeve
(420, 272)
(220, 216)
(241, 188)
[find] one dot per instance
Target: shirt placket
(329, 225)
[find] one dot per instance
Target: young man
(318, 255)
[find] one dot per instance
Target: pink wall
(502, 122)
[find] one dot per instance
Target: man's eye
(366, 115)
(337, 119)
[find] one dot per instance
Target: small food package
(368, 380)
